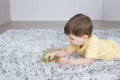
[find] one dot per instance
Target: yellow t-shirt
(98, 49)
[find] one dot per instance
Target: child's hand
(63, 60)
(66, 61)
(50, 55)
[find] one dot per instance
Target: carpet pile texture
(21, 52)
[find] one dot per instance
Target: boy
(79, 31)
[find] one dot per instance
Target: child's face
(77, 41)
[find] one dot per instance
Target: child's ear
(85, 36)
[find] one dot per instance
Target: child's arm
(81, 61)
(76, 61)
(59, 53)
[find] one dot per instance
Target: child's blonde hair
(79, 25)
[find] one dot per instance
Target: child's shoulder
(94, 39)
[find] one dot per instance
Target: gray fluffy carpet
(21, 52)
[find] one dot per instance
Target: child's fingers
(49, 55)
(52, 56)
(62, 60)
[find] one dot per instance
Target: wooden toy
(48, 60)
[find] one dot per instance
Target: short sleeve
(92, 50)
(72, 49)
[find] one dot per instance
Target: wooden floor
(53, 25)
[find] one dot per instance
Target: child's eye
(70, 38)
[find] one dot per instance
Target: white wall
(111, 10)
(26, 10)
(4, 11)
